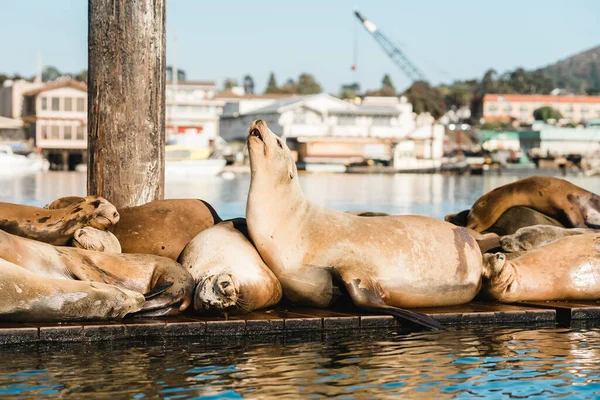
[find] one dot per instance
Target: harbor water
(466, 362)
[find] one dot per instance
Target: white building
(192, 113)
(323, 128)
(56, 116)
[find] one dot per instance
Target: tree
(349, 91)
(290, 87)
(545, 113)
(50, 73)
(229, 83)
(425, 98)
(181, 75)
(248, 84)
(308, 85)
(387, 83)
(82, 76)
(272, 85)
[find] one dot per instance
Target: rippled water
(482, 363)
(487, 362)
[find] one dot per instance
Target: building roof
(193, 83)
(56, 85)
(228, 94)
(541, 98)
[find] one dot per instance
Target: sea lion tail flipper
(158, 289)
(365, 296)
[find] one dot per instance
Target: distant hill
(579, 73)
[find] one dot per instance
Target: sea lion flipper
(366, 297)
(158, 289)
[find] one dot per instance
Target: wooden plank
(569, 310)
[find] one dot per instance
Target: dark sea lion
(565, 269)
(383, 262)
(29, 297)
(569, 204)
(57, 226)
(510, 221)
(532, 237)
(139, 272)
(89, 238)
(228, 271)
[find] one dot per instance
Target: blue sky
(447, 40)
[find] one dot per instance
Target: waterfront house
(520, 107)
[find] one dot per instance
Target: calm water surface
(517, 362)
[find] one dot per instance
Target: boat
(185, 162)
(15, 164)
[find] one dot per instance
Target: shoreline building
(520, 107)
(321, 128)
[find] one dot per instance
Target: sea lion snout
(215, 293)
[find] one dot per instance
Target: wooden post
(126, 100)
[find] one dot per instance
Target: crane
(399, 58)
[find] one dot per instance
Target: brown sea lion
(571, 205)
(565, 269)
(63, 202)
(139, 272)
(383, 262)
(532, 237)
(89, 238)
(510, 221)
(57, 226)
(230, 276)
(29, 297)
(161, 227)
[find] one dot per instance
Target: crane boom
(392, 50)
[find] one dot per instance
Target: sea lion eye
(279, 144)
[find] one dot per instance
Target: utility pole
(126, 100)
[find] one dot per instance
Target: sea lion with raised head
(57, 226)
(229, 274)
(29, 297)
(383, 262)
(161, 227)
(509, 222)
(89, 238)
(143, 273)
(565, 269)
(569, 204)
(532, 237)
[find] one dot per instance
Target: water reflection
(466, 363)
(433, 195)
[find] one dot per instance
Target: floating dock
(288, 319)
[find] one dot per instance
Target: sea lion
(89, 238)
(565, 269)
(383, 262)
(57, 226)
(63, 202)
(142, 273)
(532, 237)
(571, 205)
(229, 274)
(509, 222)
(29, 297)
(161, 227)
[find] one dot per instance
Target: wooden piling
(126, 100)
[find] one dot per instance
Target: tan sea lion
(571, 205)
(532, 237)
(383, 262)
(161, 227)
(29, 297)
(89, 238)
(230, 276)
(565, 269)
(57, 226)
(63, 202)
(509, 222)
(142, 273)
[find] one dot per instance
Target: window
(80, 133)
(44, 103)
(68, 104)
(44, 131)
(345, 119)
(68, 133)
(54, 133)
(381, 120)
(55, 103)
(80, 104)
